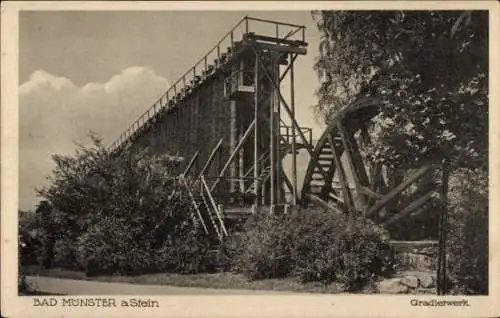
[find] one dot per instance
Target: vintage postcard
(250, 159)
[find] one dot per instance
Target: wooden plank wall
(196, 124)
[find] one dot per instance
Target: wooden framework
(236, 157)
(370, 193)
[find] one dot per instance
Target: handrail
(214, 224)
(195, 204)
(242, 141)
(275, 22)
(212, 201)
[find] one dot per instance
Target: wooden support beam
(287, 49)
(356, 157)
(210, 215)
(196, 207)
(287, 182)
(376, 178)
(342, 176)
(214, 205)
(410, 208)
(277, 110)
(396, 191)
(190, 164)
(234, 153)
(274, 40)
(324, 204)
(272, 140)
(360, 179)
(307, 145)
(210, 158)
(294, 148)
(252, 168)
(256, 142)
(371, 193)
(332, 195)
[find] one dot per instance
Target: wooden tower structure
(225, 120)
(229, 124)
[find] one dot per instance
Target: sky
(84, 71)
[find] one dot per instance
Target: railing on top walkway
(203, 70)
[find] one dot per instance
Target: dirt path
(82, 287)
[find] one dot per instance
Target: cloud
(54, 113)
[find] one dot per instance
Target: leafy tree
(429, 70)
(111, 211)
(468, 228)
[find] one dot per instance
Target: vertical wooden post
(241, 169)
(294, 150)
(353, 158)
(276, 66)
(337, 153)
(272, 139)
(441, 284)
(233, 142)
(256, 133)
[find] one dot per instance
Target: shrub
(329, 248)
(468, 231)
(264, 248)
(313, 245)
(185, 253)
(65, 254)
(30, 246)
(113, 246)
(124, 214)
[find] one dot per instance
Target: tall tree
(430, 71)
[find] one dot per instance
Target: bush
(468, 231)
(112, 246)
(28, 239)
(113, 214)
(264, 248)
(314, 245)
(65, 254)
(352, 251)
(185, 253)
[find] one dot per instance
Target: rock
(426, 280)
(410, 281)
(391, 286)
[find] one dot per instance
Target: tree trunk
(442, 281)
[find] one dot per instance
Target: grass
(223, 280)
(37, 293)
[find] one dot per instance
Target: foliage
(65, 253)
(313, 245)
(468, 231)
(264, 248)
(429, 69)
(109, 246)
(349, 250)
(186, 252)
(115, 214)
(29, 238)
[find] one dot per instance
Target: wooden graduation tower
(229, 124)
(225, 120)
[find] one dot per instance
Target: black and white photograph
(251, 151)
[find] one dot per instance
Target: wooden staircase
(323, 172)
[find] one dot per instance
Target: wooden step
(236, 212)
(316, 188)
(325, 160)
